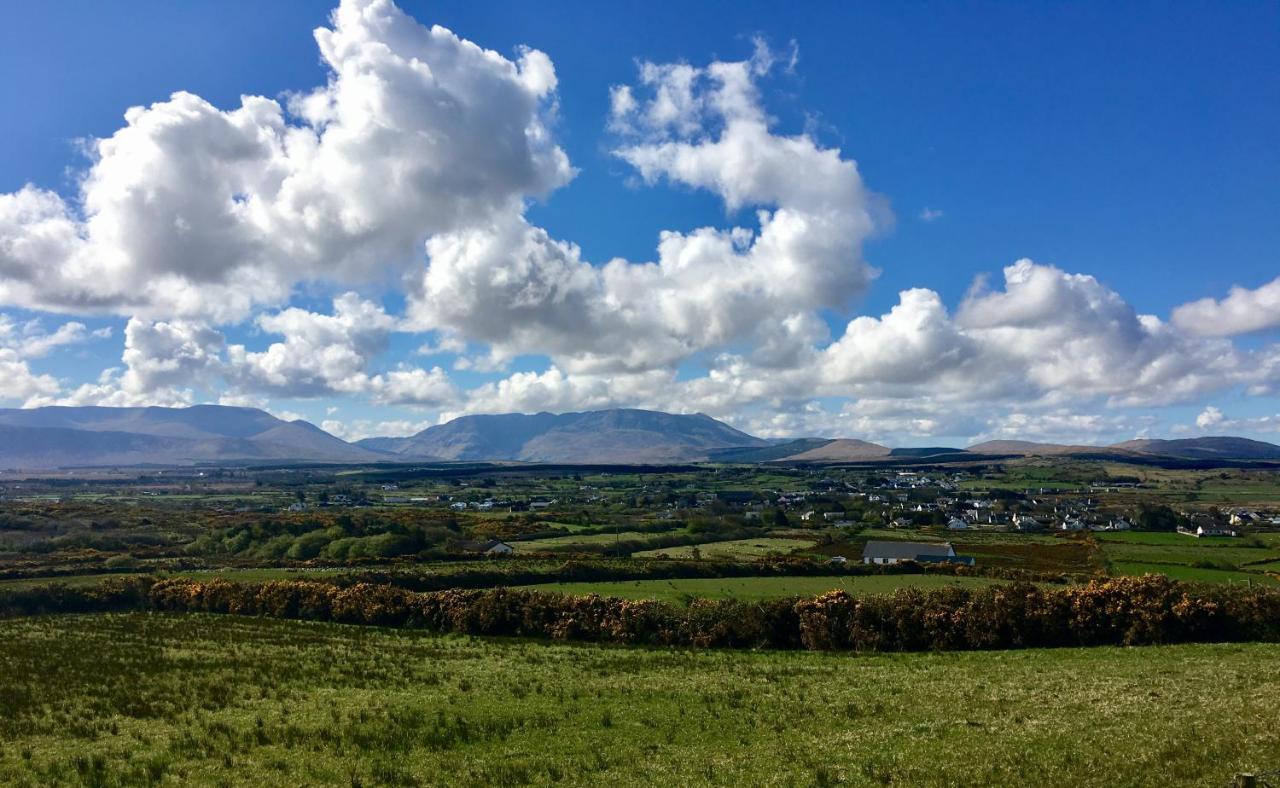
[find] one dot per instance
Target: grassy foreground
(208, 700)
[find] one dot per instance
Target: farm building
(922, 552)
(491, 547)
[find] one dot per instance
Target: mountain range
(602, 436)
(55, 437)
(93, 436)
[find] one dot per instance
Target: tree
(1157, 518)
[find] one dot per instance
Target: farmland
(751, 588)
(160, 699)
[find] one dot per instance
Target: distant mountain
(771, 453)
(1211, 448)
(841, 449)
(602, 436)
(1028, 447)
(93, 436)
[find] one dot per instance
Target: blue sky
(1134, 143)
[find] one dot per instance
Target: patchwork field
(757, 587)
(205, 700)
(734, 550)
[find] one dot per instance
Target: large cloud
(412, 168)
(195, 212)
(513, 286)
(1241, 312)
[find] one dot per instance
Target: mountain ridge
(63, 436)
(60, 436)
(614, 435)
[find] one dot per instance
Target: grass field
(757, 587)
(576, 540)
(237, 575)
(735, 550)
(203, 700)
(1191, 573)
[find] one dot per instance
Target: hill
(774, 453)
(1027, 447)
(96, 436)
(841, 449)
(1218, 447)
(603, 436)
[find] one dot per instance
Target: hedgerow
(1116, 611)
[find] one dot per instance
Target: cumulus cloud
(192, 211)
(331, 355)
(165, 362)
(1241, 312)
(1212, 419)
(412, 168)
(31, 340)
(18, 383)
(512, 286)
(320, 353)
(369, 428)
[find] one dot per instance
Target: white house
(956, 524)
(894, 552)
(1243, 517)
(1024, 523)
(1207, 529)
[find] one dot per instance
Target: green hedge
(1118, 611)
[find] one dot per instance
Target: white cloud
(30, 340)
(194, 212)
(19, 383)
(368, 428)
(320, 354)
(511, 286)
(422, 147)
(413, 386)
(1241, 312)
(1212, 419)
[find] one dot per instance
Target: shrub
(1116, 611)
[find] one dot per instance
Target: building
(1208, 529)
(894, 552)
(956, 524)
(1027, 524)
(491, 547)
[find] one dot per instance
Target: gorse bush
(1119, 611)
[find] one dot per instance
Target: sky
(915, 223)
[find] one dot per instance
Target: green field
(204, 700)
(758, 587)
(735, 550)
(1191, 573)
(572, 541)
(236, 575)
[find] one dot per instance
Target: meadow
(152, 699)
(754, 588)
(733, 550)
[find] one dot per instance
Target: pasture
(204, 700)
(752, 588)
(733, 550)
